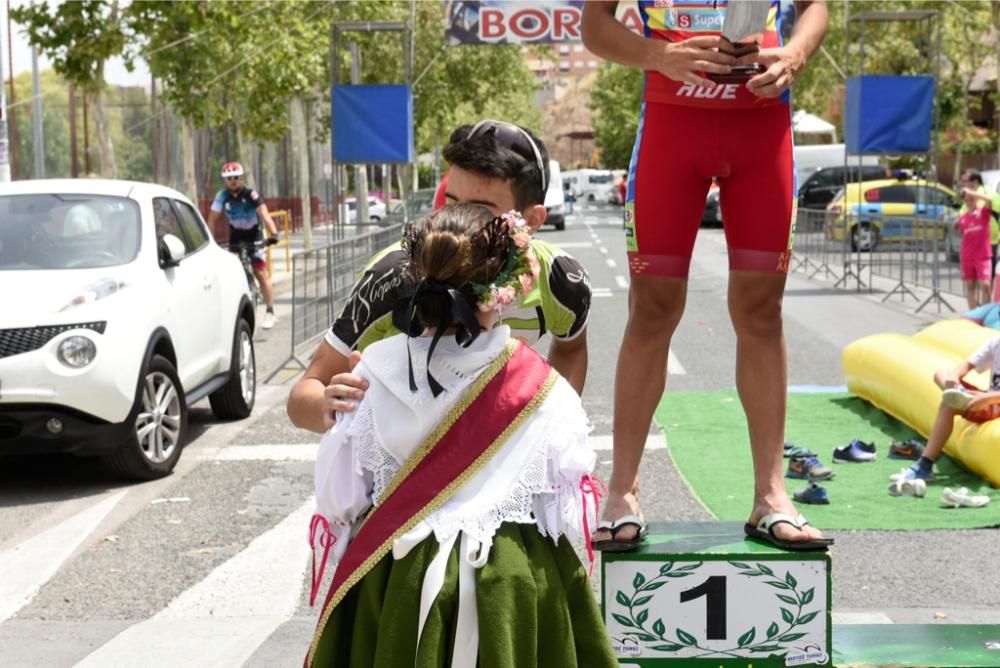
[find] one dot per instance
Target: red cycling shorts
(678, 150)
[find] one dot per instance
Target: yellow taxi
(887, 210)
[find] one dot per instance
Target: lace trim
(369, 452)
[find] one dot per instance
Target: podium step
(930, 645)
(698, 594)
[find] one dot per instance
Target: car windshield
(600, 178)
(62, 231)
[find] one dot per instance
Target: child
(973, 405)
(449, 496)
(976, 263)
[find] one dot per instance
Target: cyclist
(244, 208)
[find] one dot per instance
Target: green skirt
(536, 609)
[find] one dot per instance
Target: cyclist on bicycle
(244, 209)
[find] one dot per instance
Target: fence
(912, 251)
(322, 279)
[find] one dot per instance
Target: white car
(120, 311)
(376, 209)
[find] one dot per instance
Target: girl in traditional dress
(450, 497)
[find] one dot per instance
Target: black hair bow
(407, 317)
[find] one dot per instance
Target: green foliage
(615, 100)
(55, 125)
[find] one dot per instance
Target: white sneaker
(268, 321)
(963, 497)
(957, 398)
(908, 487)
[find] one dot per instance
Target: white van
(593, 185)
(812, 157)
(555, 198)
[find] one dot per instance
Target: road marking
(657, 441)
(611, 263)
(297, 452)
(622, 282)
(603, 249)
(861, 618)
(674, 366)
(30, 564)
(576, 244)
(224, 618)
(601, 292)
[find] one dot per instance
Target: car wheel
(160, 424)
(235, 399)
(561, 225)
(864, 237)
(374, 219)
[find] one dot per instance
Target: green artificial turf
(707, 437)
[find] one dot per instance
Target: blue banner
(889, 114)
(372, 124)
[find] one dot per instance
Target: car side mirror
(171, 251)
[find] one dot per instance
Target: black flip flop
(615, 545)
(764, 532)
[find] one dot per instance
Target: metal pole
(155, 138)
(37, 132)
(75, 165)
(4, 154)
(360, 173)
(13, 97)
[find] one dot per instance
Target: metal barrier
(913, 251)
(282, 220)
(322, 279)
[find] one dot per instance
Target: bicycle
(246, 251)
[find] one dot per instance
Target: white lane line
(25, 567)
(222, 620)
(861, 618)
(657, 441)
(601, 292)
(577, 244)
(622, 282)
(674, 366)
(604, 250)
(297, 452)
(611, 263)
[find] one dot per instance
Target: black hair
(974, 175)
(482, 155)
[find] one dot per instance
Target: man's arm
(268, 221)
(326, 387)
(213, 221)
(784, 63)
(569, 358)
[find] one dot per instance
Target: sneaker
(798, 451)
(911, 473)
(957, 398)
(963, 497)
(856, 451)
(911, 449)
(812, 493)
(808, 468)
(268, 321)
(908, 487)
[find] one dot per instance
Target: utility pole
(360, 173)
(13, 97)
(37, 134)
(4, 153)
(75, 165)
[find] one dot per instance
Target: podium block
(698, 594)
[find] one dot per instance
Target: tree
(616, 98)
(55, 125)
(79, 37)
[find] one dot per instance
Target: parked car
(420, 203)
(120, 312)
(555, 207)
(376, 209)
(821, 186)
(891, 210)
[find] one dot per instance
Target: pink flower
(522, 237)
(487, 303)
(533, 263)
(527, 283)
(506, 295)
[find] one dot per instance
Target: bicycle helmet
(232, 169)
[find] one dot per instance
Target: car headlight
(76, 352)
(557, 209)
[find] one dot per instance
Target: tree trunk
(269, 170)
(245, 156)
(300, 164)
(105, 149)
(189, 186)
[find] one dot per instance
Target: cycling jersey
(678, 20)
(240, 209)
(559, 303)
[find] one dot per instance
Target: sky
(115, 72)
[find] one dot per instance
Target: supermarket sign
(519, 22)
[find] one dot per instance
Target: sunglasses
(514, 138)
(233, 178)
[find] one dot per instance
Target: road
(209, 567)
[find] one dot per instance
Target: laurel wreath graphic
(775, 639)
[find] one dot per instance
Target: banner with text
(518, 22)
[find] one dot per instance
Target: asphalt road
(209, 566)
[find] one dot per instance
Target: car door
(189, 308)
(898, 209)
(820, 188)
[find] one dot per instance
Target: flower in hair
(520, 270)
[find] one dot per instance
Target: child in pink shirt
(976, 251)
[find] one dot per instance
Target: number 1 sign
(728, 607)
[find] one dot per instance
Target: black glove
(271, 241)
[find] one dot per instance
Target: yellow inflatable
(896, 373)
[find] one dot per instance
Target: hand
(783, 66)
(343, 392)
(684, 61)
(271, 241)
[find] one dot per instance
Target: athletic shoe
(908, 487)
(798, 451)
(911, 473)
(911, 449)
(856, 451)
(268, 321)
(963, 497)
(957, 398)
(812, 493)
(808, 468)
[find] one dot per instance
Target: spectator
(975, 263)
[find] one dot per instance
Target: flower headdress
(519, 272)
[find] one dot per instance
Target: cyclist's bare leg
(264, 281)
(655, 307)
(761, 380)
